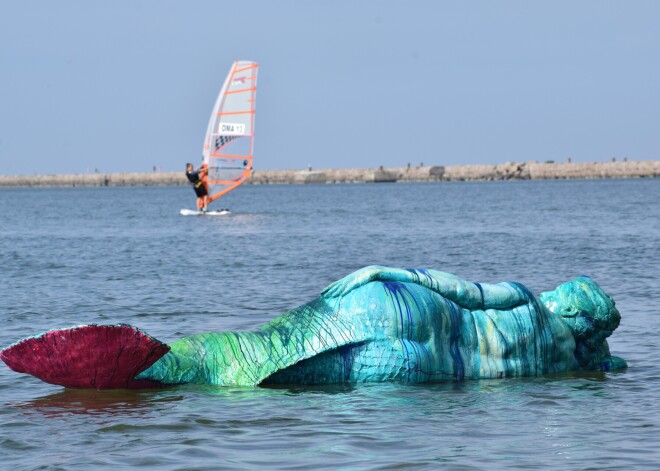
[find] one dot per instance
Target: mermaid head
(590, 314)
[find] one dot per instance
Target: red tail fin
(89, 356)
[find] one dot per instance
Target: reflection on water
(443, 395)
(98, 403)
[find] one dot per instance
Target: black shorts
(200, 190)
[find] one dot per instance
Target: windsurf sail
(229, 141)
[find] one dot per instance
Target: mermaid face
(585, 308)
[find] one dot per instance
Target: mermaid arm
(464, 293)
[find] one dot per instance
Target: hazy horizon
(128, 87)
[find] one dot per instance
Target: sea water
(108, 255)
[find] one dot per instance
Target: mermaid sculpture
(377, 324)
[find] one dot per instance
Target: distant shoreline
(507, 171)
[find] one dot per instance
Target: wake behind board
(196, 212)
(88, 356)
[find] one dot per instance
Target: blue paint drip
(415, 275)
(348, 359)
(391, 288)
(547, 354)
(454, 315)
(426, 273)
(403, 290)
(399, 291)
(481, 290)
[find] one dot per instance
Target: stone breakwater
(506, 171)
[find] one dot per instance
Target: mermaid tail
(88, 356)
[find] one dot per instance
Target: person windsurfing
(197, 179)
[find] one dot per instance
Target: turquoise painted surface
(386, 324)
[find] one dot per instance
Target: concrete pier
(508, 171)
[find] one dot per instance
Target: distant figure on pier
(197, 179)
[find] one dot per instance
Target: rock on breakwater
(506, 171)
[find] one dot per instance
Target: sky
(127, 86)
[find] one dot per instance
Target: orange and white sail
(229, 141)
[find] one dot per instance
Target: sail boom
(229, 168)
(230, 156)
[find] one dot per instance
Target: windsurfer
(197, 179)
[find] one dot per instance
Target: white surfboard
(196, 212)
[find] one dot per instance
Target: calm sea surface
(109, 255)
